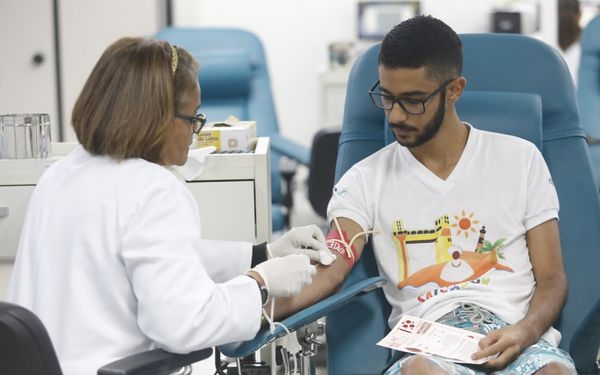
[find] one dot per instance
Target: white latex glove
(287, 275)
(307, 240)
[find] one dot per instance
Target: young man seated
(465, 220)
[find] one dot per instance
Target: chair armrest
(303, 317)
(153, 362)
(585, 343)
(290, 149)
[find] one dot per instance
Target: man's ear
(455, 89)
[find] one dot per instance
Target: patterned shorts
(476, 319)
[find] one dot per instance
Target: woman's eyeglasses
(197, 121)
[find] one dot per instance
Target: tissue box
(228, 137)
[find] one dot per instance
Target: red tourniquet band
(339, 244)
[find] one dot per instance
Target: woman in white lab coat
(111, 256)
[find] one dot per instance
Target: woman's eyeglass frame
(197, 121)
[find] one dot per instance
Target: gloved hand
(307, 240)
(287, 275)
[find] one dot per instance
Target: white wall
(296, 35)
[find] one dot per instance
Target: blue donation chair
(26, 349)
(234, 80)
(588, 89)
(516, 85)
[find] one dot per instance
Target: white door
(27, 66)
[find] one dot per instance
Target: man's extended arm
(546, 303)
(327, 280)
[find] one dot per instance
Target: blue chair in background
(515, 85)
(588, 89)
(234, 80)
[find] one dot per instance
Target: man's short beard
(431, 128)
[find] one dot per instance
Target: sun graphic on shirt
(465, 224)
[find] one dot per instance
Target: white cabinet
(17, 181)
(13, 205)
(233, 208)
(234, 195)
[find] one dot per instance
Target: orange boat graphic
(464, 267)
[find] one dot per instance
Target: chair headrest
(512, 113)
(518, 63)
(224, 73)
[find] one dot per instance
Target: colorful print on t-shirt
(453, 265)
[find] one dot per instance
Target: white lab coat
(112, 262)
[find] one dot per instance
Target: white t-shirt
(112, 261)
(443, 242)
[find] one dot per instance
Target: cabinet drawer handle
(4, 211)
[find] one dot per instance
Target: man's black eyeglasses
(411, 106)
(197, 121)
